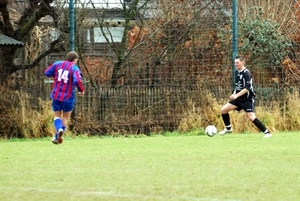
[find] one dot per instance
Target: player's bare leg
(226, 119)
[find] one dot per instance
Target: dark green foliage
(262, 40)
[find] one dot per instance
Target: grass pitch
(235, 167)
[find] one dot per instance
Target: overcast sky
(100, 3)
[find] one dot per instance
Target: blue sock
(64, 128)
(57, 124)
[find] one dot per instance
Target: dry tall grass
(201, 108)
(283, 116)
(32, 123)
(19, 120)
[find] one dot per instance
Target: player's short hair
(71, 56)
(241, 58)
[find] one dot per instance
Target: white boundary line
(109, 194)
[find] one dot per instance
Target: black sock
(226, 120)
(260, 125)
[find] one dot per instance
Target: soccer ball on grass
(211, 130)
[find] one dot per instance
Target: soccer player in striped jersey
(67, 77)
(242, 99)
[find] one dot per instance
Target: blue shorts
(62, 106)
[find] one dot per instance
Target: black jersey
(243, 80)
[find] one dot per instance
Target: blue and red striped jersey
(67, 77)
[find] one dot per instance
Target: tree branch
(5, 25)
(28, 21)
(52, 49)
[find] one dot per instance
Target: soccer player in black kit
(242, 98)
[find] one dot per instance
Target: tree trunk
(115, 74)
(7, 63)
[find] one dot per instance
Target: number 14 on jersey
(63, 75)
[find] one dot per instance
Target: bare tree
(18, 20)
(161, 30)
(132, 10)
(180, 33)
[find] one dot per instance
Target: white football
(211, 130)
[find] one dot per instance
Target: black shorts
(246, 104)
